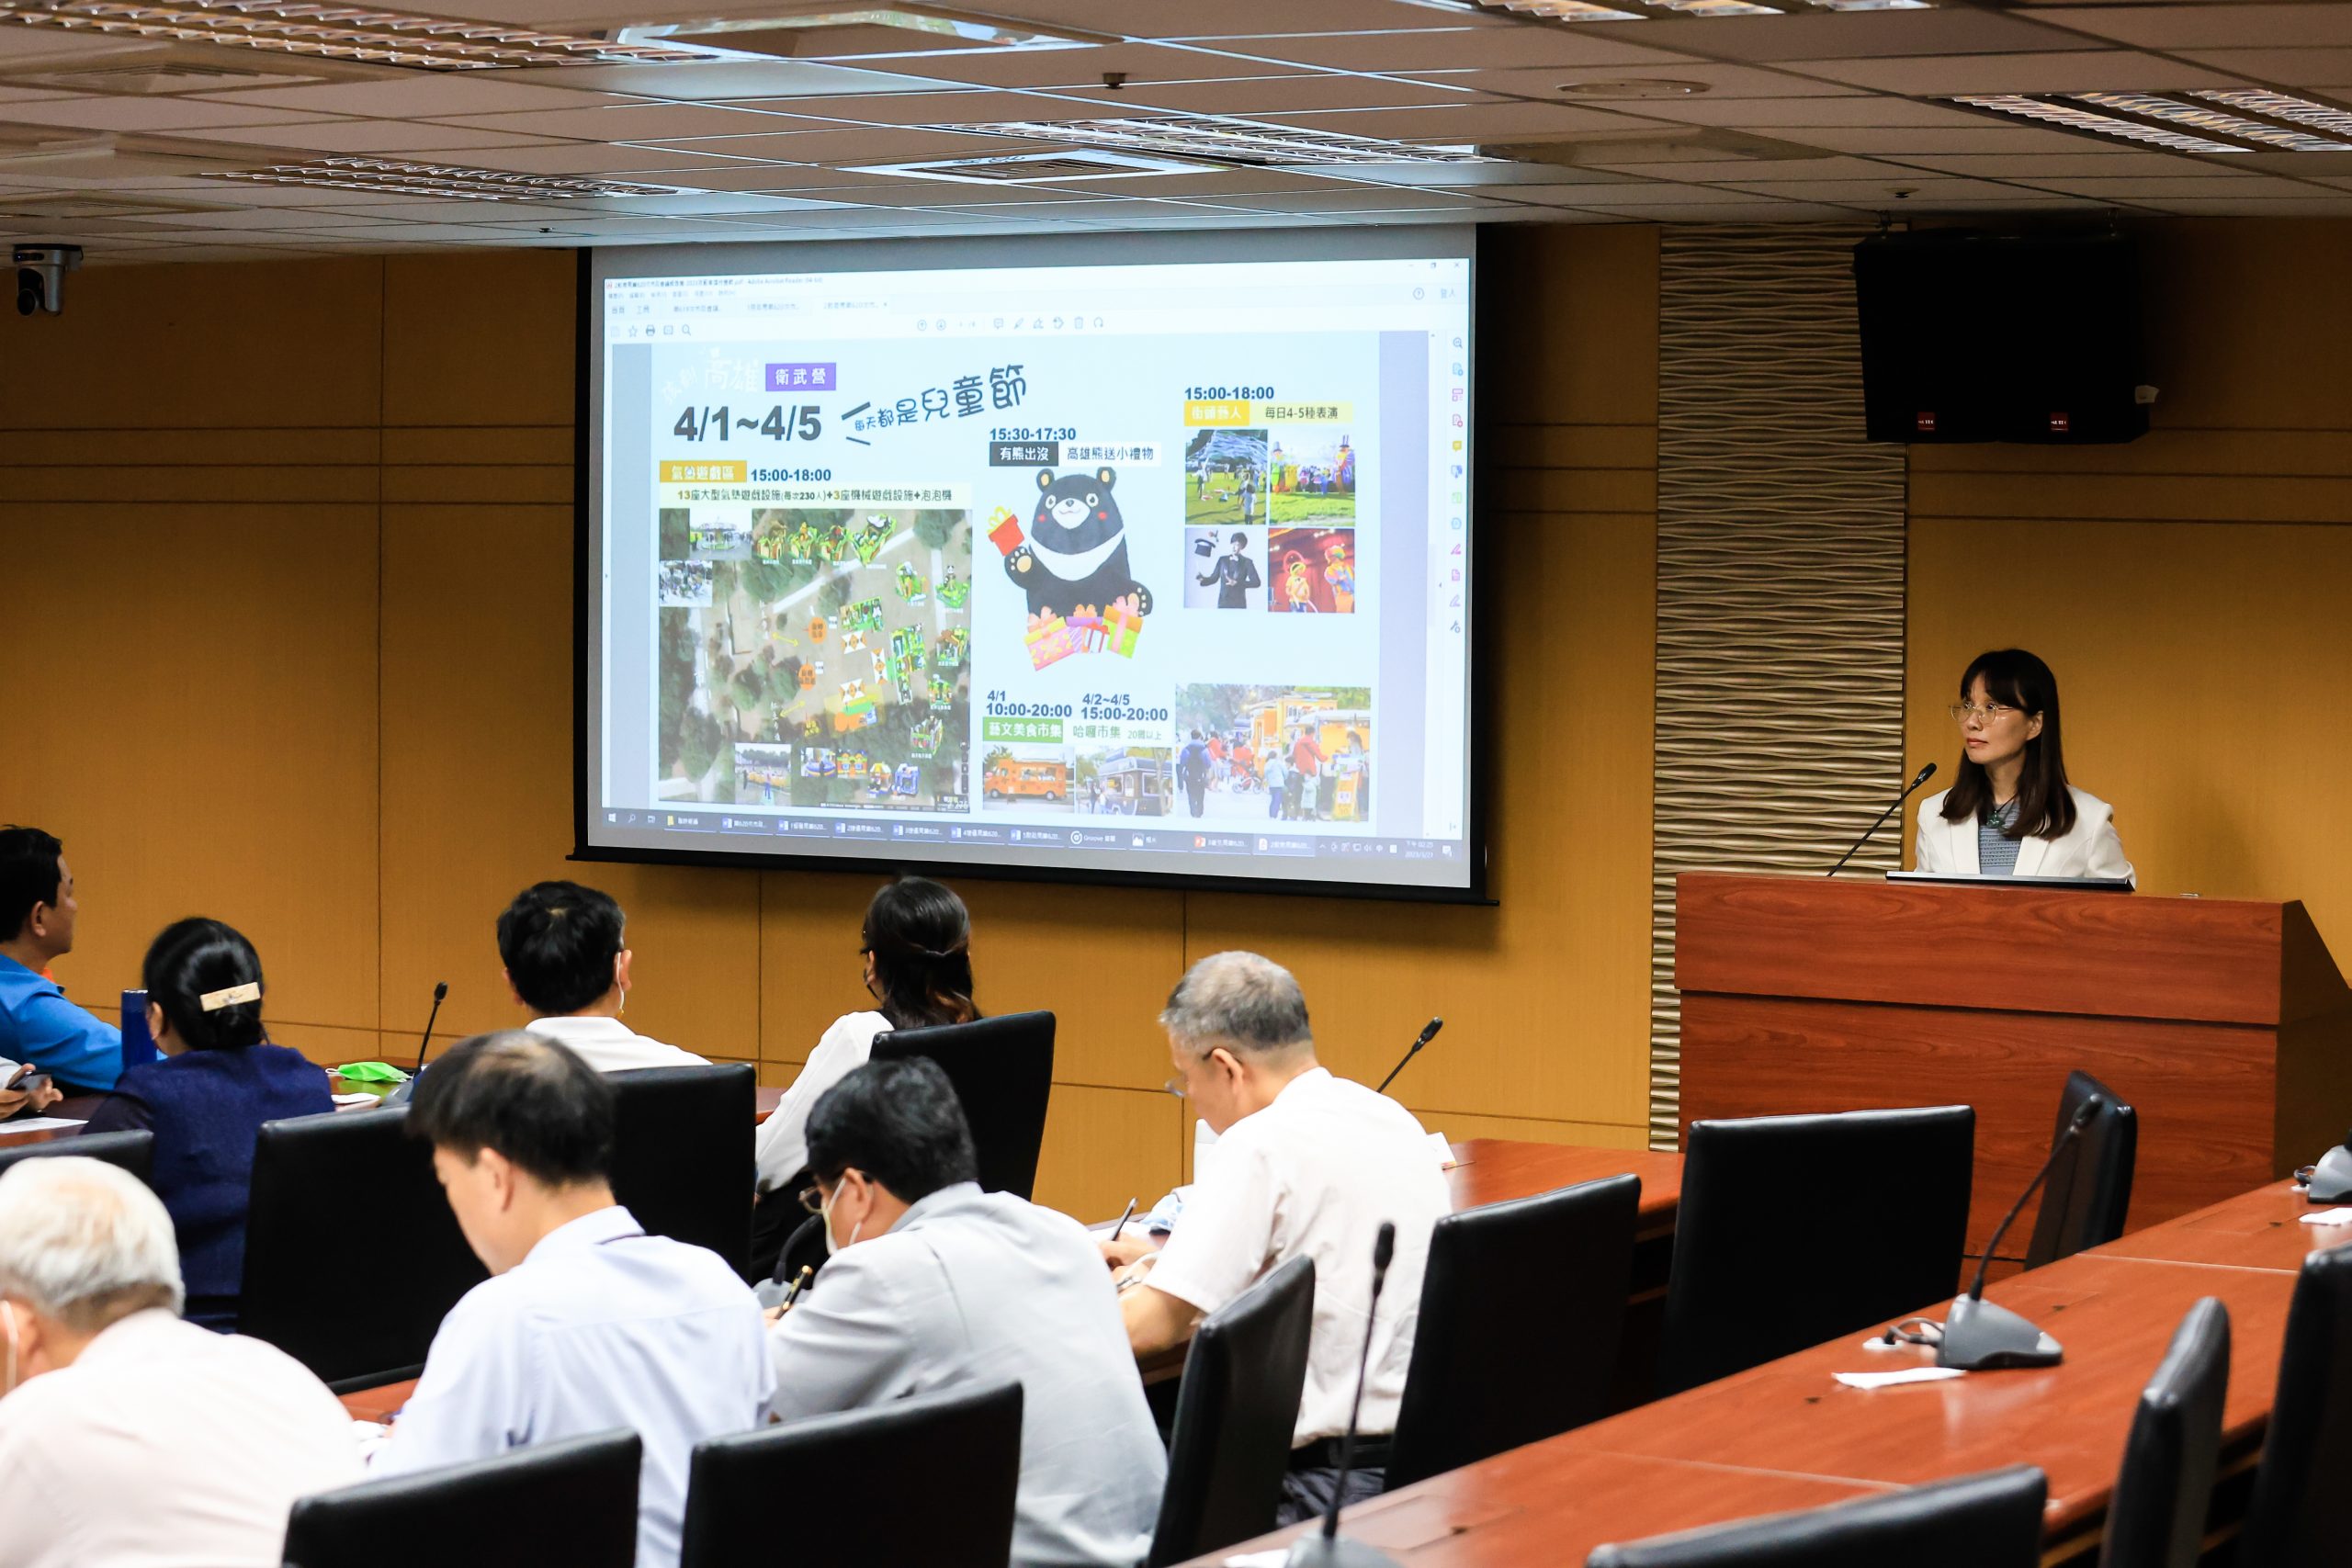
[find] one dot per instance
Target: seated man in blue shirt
(937, 1285)
(37, 1023)
(586, 1323)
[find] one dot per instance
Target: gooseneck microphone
(1327, 1547)
(1427, 1035)
(1979, 1334)
(440, 993)
(1922, 776)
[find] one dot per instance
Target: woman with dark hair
(2012, 812)
(218, 1081)
(917, 945)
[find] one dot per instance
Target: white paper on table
(1257, 1560)
(349, 1100)
(42, 1125)
(1908, 1374)
(2329, 1217)
(1443, 1150)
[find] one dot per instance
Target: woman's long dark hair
(189, 959)
(2014, 677)
(921, 936)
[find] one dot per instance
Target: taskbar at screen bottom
(1275, 852)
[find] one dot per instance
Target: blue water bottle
(138, 1045)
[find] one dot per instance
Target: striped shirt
(1997, 853)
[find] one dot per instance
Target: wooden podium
(2225, 1023)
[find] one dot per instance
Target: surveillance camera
(40, 276)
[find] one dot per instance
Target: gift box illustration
(1049, 640)
(1086, 632)
(1124, 623)
(1004, 530)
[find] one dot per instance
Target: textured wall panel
(1779, 583)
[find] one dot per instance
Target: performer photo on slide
(2012, 812)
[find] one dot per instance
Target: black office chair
(572, 1502)
(2289, 1523)
(2157, 1518)
(1992, 1520)
(682, 1154)
(2089, 1190)
(1523, 1304)
(1236, 1411)
(1766, 1258)
(133, 1150)
(1003, 1071)
(352, 1257)
(853, 1471)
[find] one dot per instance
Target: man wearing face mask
(935, 1284)
(586, 1323)
(1307, 1165)
(127, 1436)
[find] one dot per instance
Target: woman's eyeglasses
(1962, 712)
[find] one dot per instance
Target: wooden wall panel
(202, 733)
(478, 790)
(2201, 647)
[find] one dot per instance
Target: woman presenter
(2012, 812)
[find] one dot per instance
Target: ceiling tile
(2207, 27)
(1773, 116)
(366, 135)
(631, 121)
(2235, 187)
(1464, 124)
(1262, 96)
(1722, 81)
(2077, 71)
(2281, 67)
(1852, 35)
(1986, 137)
(1235, 18)
(851, 147)
(946, 109)
(419, 94)
(2090, 162)
(1463, 49)
(150, 114)
(1142, 62)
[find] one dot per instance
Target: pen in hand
(1123, 1219)
(799, 1283)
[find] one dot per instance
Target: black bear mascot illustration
(1077, 552)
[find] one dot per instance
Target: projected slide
(1150, 569)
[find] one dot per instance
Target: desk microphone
(1978, 1334)
(1427, 1035)
(440, 992)
(1922, 776)
(1327, 1547)
(2330, 1181)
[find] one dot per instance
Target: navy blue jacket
(205, 1107)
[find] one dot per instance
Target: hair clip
(213, 1001)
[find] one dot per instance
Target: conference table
(1785, 1436)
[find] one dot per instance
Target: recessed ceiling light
(841, 34)
(2200, 121)
(446, 181)
(1632, 87)
(1226, 139)
(1036, 168)
(2070, 117)
(2203, 118)
(2279, 105)
(336, 32)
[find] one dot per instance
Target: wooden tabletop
(1496, 1171)
(1774, 1437)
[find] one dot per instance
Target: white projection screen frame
(1101, 558)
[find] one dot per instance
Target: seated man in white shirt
(936, 1285)
(127, 1435)
(586, 1323)
(1305, 1163)
(562, 947)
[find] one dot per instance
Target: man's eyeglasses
(812, 1198)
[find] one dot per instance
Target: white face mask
(826, 1213)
